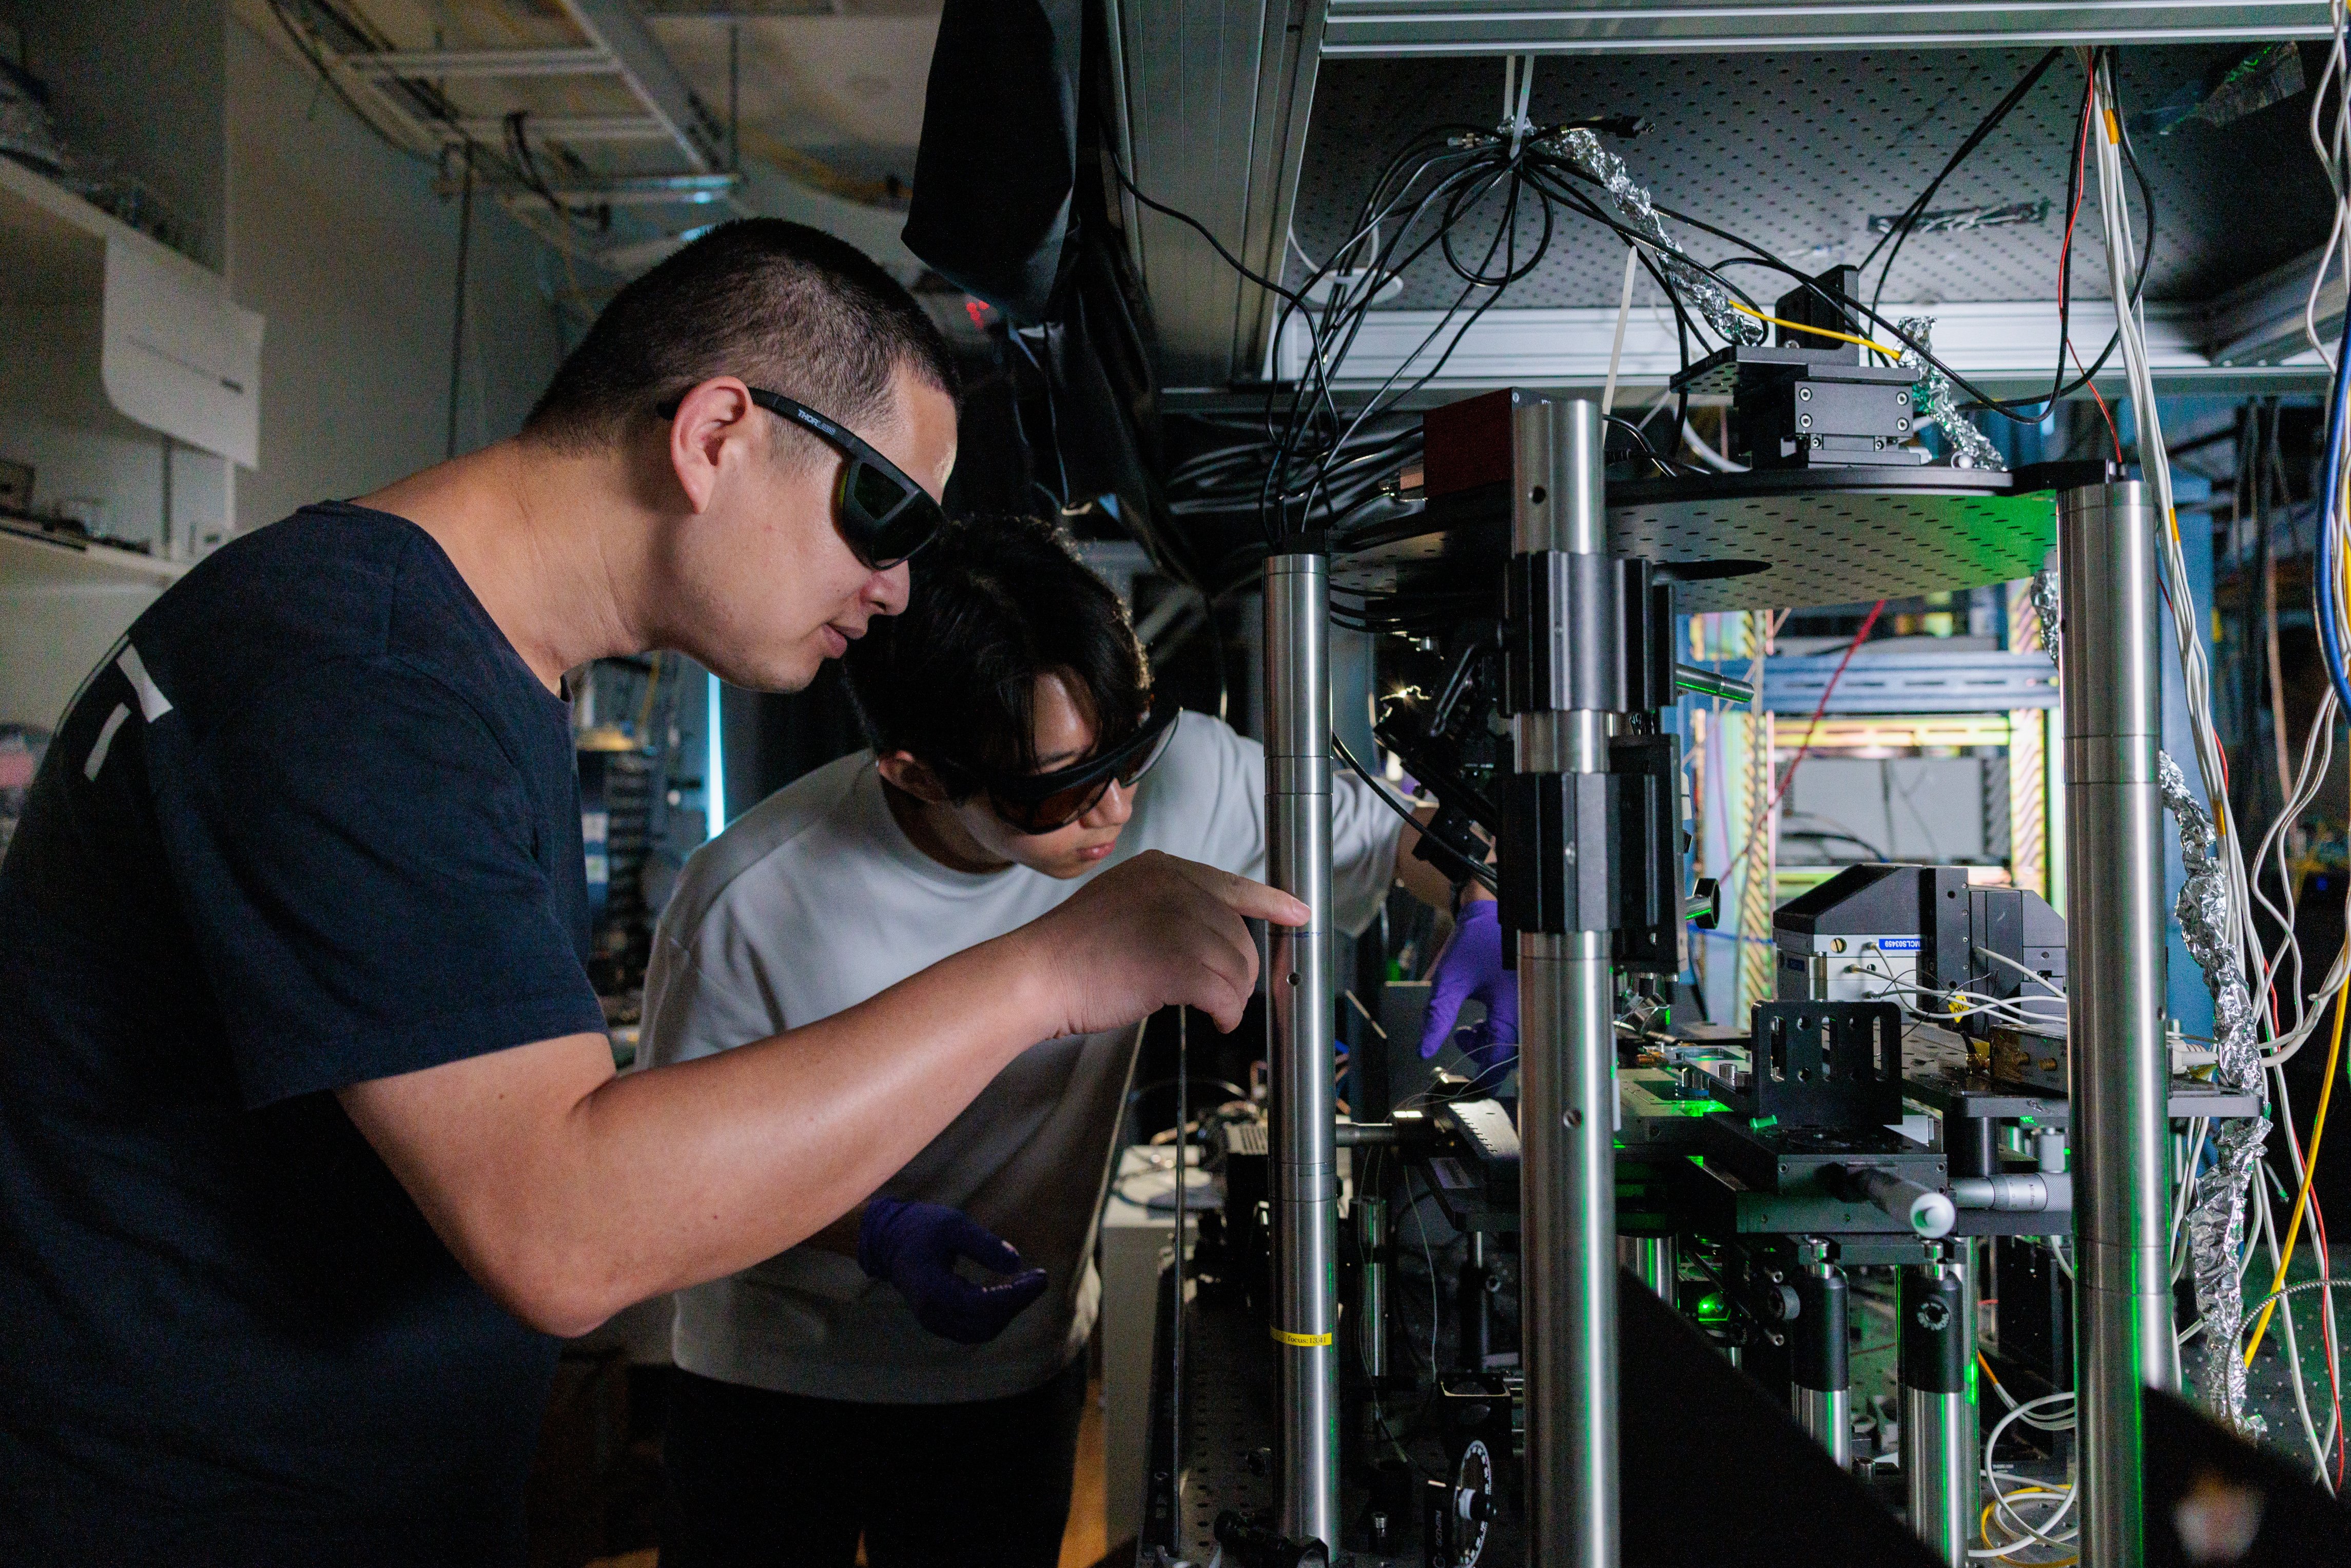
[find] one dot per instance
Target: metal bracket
(1600, 852)
(1558, 871)
(1587, 632)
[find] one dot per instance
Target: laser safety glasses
(1035, 803)
(884, 515)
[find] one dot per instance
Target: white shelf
(26, 561)
(135, 331)
(51, 241)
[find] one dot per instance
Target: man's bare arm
(571, 1193)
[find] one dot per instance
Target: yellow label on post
(1303, 1341)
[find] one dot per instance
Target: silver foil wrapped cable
(2216, 1226)
(2045, 602)
(1970, 448)
(1583, 149)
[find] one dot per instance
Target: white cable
(1624, 314)
(2155, 464)
(2333, 154)
(1708, 454)
(2317, 756)
(2319, 1253)
(2293, 1349)
(2185, 1198)
(2030, 974)
(2004, 1504)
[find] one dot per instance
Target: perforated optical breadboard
(1799, 151)
(1812, 537)
(1832, 546)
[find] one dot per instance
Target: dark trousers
(780, 1481)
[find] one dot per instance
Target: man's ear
(901, 770)
(711, 415)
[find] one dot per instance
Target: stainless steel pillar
(1939, 1420)
(2114, 876)
(1654, 1260)
(1819, 1382)
(1567, 1062)
(1298, 979)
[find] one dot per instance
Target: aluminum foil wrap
(2216, 1226)
(1583, 149)
(1970, 448)
(2046, 601)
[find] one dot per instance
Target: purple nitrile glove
(1471, 965)
(914, 1246)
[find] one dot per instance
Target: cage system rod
(1299, 982)
(2111, 701)
(1567, 1057)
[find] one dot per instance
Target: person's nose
(886, 591)
(1116, 805)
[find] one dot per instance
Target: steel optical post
(1297, 980)
(1938, 1420)
(1567, 1062)
(2111, 700)
(1654, 1260)
(1820, 1355)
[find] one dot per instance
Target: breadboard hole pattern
(1228, 1379)
(1833, 547)
(1798, 152)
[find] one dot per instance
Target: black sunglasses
(884, 515)
(1034, 803)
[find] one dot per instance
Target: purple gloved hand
(1471, 965)
(914, 1246)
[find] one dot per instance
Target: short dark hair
(998, 601)
(781, 305)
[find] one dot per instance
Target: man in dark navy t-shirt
(309, 1137)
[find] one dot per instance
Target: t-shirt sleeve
(700, 999)
(1363, 838)
(367, 888)
(1363, 833)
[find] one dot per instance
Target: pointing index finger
(1249, 900)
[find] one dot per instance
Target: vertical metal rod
(1820, 1355)
(1655, 1262)
(1938, 1420)
(1298, 981)
(1473, 1307)
(1567, 1062)
(2111, 699)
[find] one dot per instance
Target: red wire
(2081, 168)
(2103, 410)
(1820, 707)
(2081, 180)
